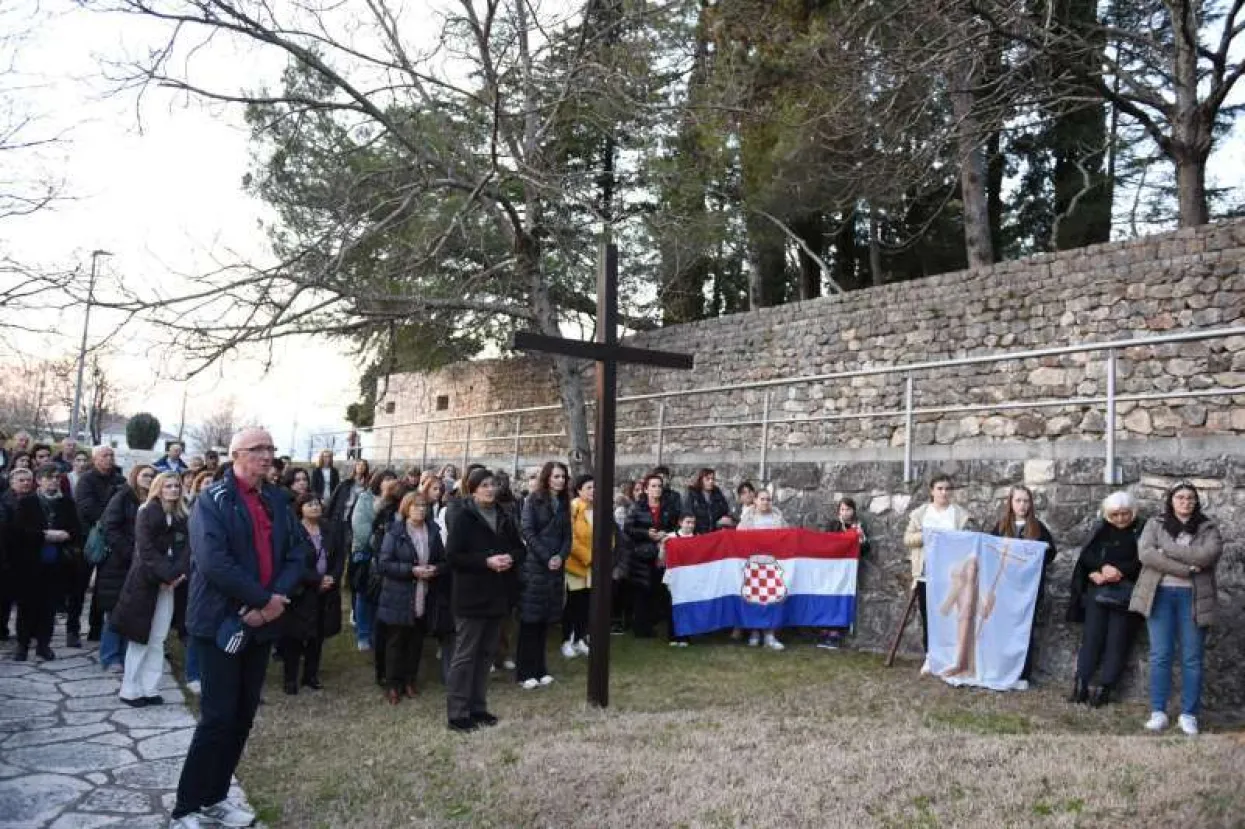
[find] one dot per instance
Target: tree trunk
(566, 370)
(845, 256)
(1191, 189)
(1191, 128)
(875, 247)
(809, 228)
(978, 245)
(767, 256)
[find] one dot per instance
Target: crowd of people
(478, 569)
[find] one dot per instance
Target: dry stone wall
(1190, 279)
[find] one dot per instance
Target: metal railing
(906, 415)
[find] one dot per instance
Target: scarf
(423, 552)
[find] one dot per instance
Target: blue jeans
(111, 646)
(1171, 618)
(364, 619)
(192, 663)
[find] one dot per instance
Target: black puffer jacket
(1108, 544)
(118, 527)
(313, 614)
(547, 531)
(708, 507)
(477, 591)
(93, 492)
(161, 554)
(642, 569)
(397, 597)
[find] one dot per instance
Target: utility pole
(86, 327)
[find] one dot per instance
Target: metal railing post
(661, 430)
(466, 450)
(1108, 472)
(389, 451)
(518, 432)
(765, 439)
(907, 429)
(423, 464)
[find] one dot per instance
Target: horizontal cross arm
(600, 352)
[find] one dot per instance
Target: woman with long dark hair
(547, 531)
(1101, 589)
(705, 501)
(1018, 521)
(1177, 594)
(650, 521)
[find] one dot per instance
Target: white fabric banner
(980, 592)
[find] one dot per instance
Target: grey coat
(1160, 555)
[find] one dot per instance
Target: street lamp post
(86, 326)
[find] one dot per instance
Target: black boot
(1100, 696)
(1080, 692)
(21, 653)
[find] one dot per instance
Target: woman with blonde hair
(144, 612)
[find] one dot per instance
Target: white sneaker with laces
(546, 680)
(1157, 722)
(754, 639)
(568, 650)
(771, 642)
(529, 684)
(190, 821)
(508, 664)
(581, 648)
(228, 813)
(195, 687)
(1188, 724)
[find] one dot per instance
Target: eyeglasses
(261, 450)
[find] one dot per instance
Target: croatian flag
(764, 579)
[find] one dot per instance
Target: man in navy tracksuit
(247, 556)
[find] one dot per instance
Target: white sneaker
(195, 687)
(581, 648)
(771, 642)
(508, 664)
(363, 646)
(546, 680)
(529, 684)
(754, 639)
(1188, 724)
(228, 813)
(1157, 721)
(194, 820)
(568, 649)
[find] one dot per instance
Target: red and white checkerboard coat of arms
(764, 583)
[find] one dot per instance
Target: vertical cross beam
(603, 530)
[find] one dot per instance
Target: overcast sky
(159, 187)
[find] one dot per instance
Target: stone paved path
(73, 756)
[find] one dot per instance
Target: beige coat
(1160, 555)
(914, 539)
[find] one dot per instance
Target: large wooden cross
(607, 354)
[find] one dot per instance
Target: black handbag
(1117, 594)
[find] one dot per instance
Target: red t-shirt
(261, 526)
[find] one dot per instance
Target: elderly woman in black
(705, 501)
(1101, 587)
(412, 562)
(483, 550)
(547, 531)
(651, 519)
(315, 613)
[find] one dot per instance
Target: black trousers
(231, 689)
(404, 646)
(36, 594)
(921, 606)
(1105, 642)
(530, 652)
(620, 604)
(380, 635)
(575, 615)
(475, 644)
(645, 609)
(300, 651)
(7, 601)
(77, 579)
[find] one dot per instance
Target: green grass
(721, 735)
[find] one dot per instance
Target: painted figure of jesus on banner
(981, 590)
